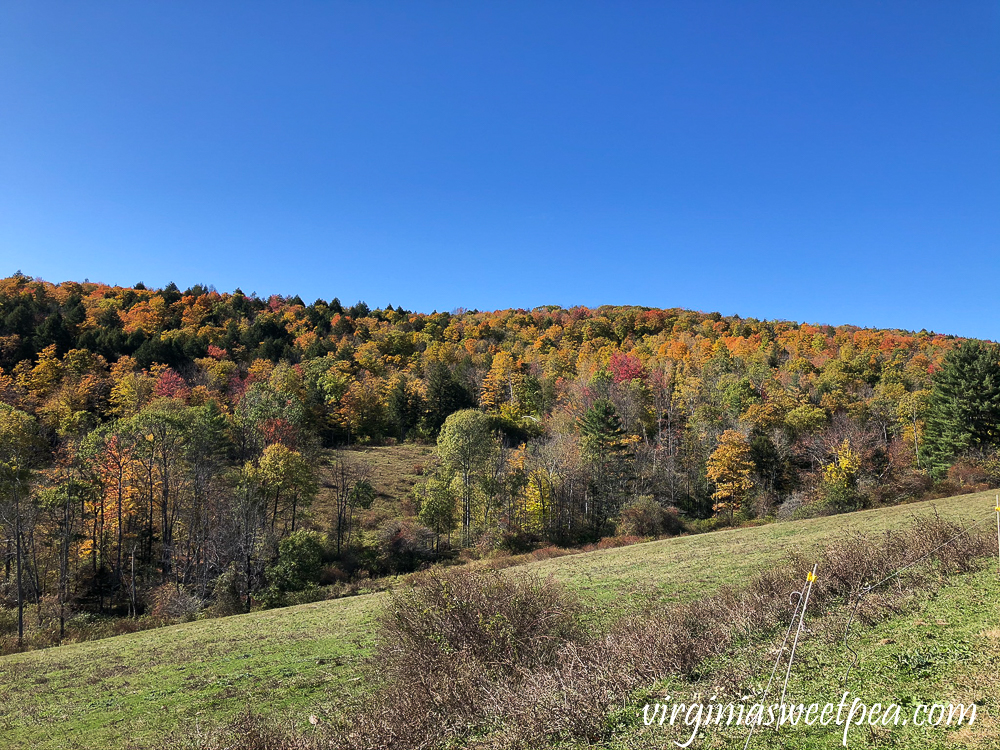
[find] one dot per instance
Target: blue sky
(825, 162)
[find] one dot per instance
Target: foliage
(645, 517)
(731, 468)
(964, 409)
(298, 566)
(840, 483)
(180, 432)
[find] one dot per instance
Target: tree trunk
(20, 588)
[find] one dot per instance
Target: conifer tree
(964, 411)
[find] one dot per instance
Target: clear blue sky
(827, 162)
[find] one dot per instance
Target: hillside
(301, 660)
(176, 445)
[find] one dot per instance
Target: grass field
(294, 661)
(689, 567)
(396, 470)
(942, 648)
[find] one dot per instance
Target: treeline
(153, 436)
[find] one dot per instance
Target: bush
(500, 621)
(404, 545)
(172, 603)
(503, 658)
(299, 563)
(647, 518)
(841, 496)
(643, 517)
(226, 594)
(703, 525)
(970, 473)
(611, 542)
(517, 542)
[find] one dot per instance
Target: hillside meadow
(131, 690)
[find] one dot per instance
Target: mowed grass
(138, 687)
(294, 661)
(690, 567)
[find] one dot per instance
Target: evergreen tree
(604, 450)
(445, 395)
(964, 411)
(601, 430)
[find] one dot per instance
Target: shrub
(404, 545)
(299, 563)
(501, 621)
(968, 472)
(504, 658)
(611, 542)
(648, 518)
(643, 517)
(172, 603)
(226, 599)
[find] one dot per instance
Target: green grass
(295, 661)
(942, 648)
(689, 567)
(139, 686)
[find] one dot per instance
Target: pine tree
(603, 443)
(445, 395)
(964, 410)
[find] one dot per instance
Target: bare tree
(350, 483)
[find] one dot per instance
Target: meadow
(131, 690)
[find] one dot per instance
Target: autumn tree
(730, 468)
(502, 386)
(20, 451)
(286, 479)
(840, 478)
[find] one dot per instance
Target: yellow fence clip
(810, 577)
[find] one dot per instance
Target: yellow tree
(284, 475)
(730, 468)
(538, 500)
(501, 384)
(840, 478)
(130, 390)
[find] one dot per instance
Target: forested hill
(155, 435)
(167, 326)
(363, 374)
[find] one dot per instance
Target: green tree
(464, 445)
(445, 396)
(604, 450)
(964, 410)
(438, 506)
(404, 404)
(298, 567)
